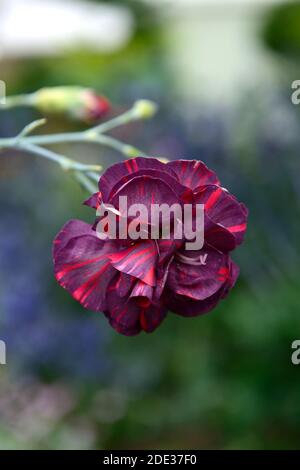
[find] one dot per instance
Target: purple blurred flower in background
(43, 338)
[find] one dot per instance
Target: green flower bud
(79, 103)
(144, 109)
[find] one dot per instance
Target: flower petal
(138, 260)
(218, 236)
(94, 200)
(188, 307)
(189, 277)
(151, 317)
(141, 289)
(128, 167)
(193, 173)
(123, 315)
(224, 209)
(82, 266)
(123, 285)
(179, 189)
(146, 190)
(73, 228)
(129, 318)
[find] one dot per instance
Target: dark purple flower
(136, 283)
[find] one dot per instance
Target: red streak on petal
(115, 257)
(135, 165)
(111, 288)
(237, 228)
(118, 282)
(213, 198)
(70, 267)
(149, 277)
(223, 274)
(187, 196)
(121, 314)
(184, 167)
(128, 166)
(98, 200)
(83, 291)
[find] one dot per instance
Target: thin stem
(17, 100)
(124, 118)
(125, 149)
(30, 128)
(45, 153)
(85, 136)
(85, 182)
(57, 138)
(93, 176)
(141, 109)
(78, 169)
(65, 162)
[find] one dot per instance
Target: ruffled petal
(180, 190)
(123, 315)
(224, 209)
(128, 167)
(151, 317)
(128, 317)
(198, 275)
(82, 266)
(138, 260)
(188, 307)
(142, 291)
(193, 173)
(145, 190)
(73, 228)
(123, 285)
(94, 200)
(218, 236)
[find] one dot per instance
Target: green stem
(30, 128)
(81, 172)
(85, 182)
(17, 100)
(93, 176)
(124, 118)
(125, 149)
(56, 138)
(95, 134)
(65, 162)
(87, 175)
(85, 136)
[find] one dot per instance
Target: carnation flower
(136, 282)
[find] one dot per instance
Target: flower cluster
(135, 283)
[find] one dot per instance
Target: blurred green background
(221, 72)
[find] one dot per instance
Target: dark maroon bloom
(136, 283)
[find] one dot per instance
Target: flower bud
(79, 103)
(144, 109)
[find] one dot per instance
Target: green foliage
(282, 30)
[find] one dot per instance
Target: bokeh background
(221, 72)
